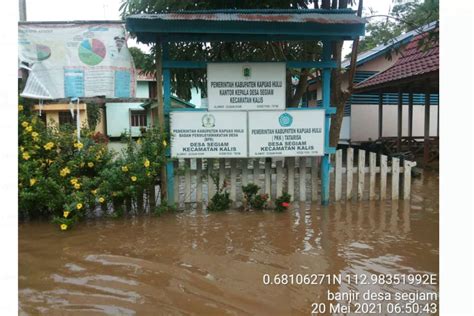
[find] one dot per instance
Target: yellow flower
(63, 226)
(79, 206)
(165, 143)
(139, 141)
(73, 181)
(66, 214)
(49, 146)
(114, 193)
(26, 155)
(49, 161)
(78, 145)
(97, 157)
(64, 172)
(32, 182)
(82, 164)
(146, 163)
(25, 124)
(34, 134)
(20, 107)
(148, 174)
(134, 178)
(124, 168)
(101, 200)
(94, 192)
(77, 186)
(22, 148)
(29, 129)
(90, 164)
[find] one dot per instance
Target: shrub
(252, 199)
(283, 202)
(220, 201)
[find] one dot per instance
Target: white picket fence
(299, 176)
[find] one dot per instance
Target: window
(138, 118)
(65, 117)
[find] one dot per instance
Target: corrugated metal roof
(414, 62)
(294, 16)
(381, 49)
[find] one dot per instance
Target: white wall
(364, 121)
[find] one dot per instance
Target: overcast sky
(66, 10)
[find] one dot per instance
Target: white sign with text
(208, 134)
(246, 86)
(286, 134)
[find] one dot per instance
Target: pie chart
(91, 51)
(42, 52)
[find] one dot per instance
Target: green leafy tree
(185, 79)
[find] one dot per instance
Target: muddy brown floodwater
(195, 263)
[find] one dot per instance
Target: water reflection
(213, 264)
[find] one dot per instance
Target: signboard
(246, 86)
(286, 134)
(75, 60)
(208, 134)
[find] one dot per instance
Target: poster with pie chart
(92, 51)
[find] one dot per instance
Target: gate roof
(247, 25)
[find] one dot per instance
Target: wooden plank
(176, 181)
(233, 179)
(372, 165)
(279, 178)
(349, 173)
(383, 177)
(302, 171)
(221, 172)
(187, 180)
(338, 177)
(361, 175)
(256, 171)
(395, 177)
(291, 177)
(199, 180)
(314, 178)
(406, 179)
(268, 177)
(245, 171)
(211, 188)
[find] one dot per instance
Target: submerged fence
(364, 176)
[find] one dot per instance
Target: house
(360, 122)
(131, 117)
(60, 114)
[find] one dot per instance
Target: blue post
(167, 108)
(326, 85)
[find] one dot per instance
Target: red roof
(414, 62)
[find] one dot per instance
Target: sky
(67, 10)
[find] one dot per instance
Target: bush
(252, 199)
(63, 179)
(220, 201)
(283, 202)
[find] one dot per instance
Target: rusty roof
(234, 25)
(415, 62)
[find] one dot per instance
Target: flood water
(196, 263)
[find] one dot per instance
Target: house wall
(52, 117)
(118, 114)
(364, 121)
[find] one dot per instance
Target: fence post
(233, 180)
(187, 180)
(291, 177)
(211, 189)
(383, 177)
(176, 182)
(256, 171)
(268, 177)
(199, 180)
(406, 179)
(314, 178)
(338, 176)
(326, 88)
(349, 172)
(372, 165)
(302, 171)
(279, 178)
(395, 177)
(245, 171)
(361, 175)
